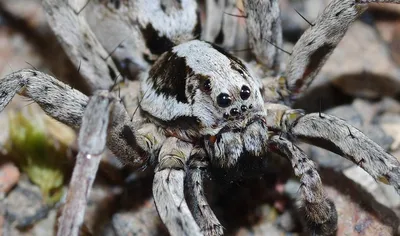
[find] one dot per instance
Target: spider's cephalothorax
(199, 91)
(199, 104)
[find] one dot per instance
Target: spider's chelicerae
(199, 106)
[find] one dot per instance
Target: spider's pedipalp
(91, 143)
(265, 32)
(320, 213)
(336, 135)
(168, 188)
(318, 42)
(201, 210)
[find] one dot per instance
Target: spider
(198, 106)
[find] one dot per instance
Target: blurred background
(359, 83)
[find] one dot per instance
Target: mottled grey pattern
(198, 105)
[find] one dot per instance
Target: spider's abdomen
(199, 86)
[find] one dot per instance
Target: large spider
(199, 105)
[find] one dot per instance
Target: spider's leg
(80, 43)
(265, 32)
(318, 42)
(335, 135)
(168, 188)
(131, 141)
(56, 98)
(91, 143)
(222, 22)
(320, 212)
(198, 204)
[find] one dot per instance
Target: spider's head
(200, 84)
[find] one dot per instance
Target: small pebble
(9, 176)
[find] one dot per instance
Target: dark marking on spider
(128, 135)
(112, 73)
(3, 94)
(323, 143)
(79, 66)
(168, 176)
(310, 43)
(179, 222)
(155, 43)
(162, 6)
(88, 45)
(236, 64)
(360, 162)
(197, 28)
(169, 76)
(310, 173)
(181, 122)
(117, 3)
(83, 105)
(49, 106)
(190, 88)
(350, 134)
(315, 60)
(220, 37)
(180, 205)
(320, 109)
(147, 58)
(340, 12)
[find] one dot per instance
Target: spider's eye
(245, 92)
(234, 111)
(224, 100)
(206, 86)
(226, 115)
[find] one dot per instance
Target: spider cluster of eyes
(224, 100)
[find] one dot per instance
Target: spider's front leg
(202, 212)
(335, 135)
(320, 212)
(168, 188)
(68, 105)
